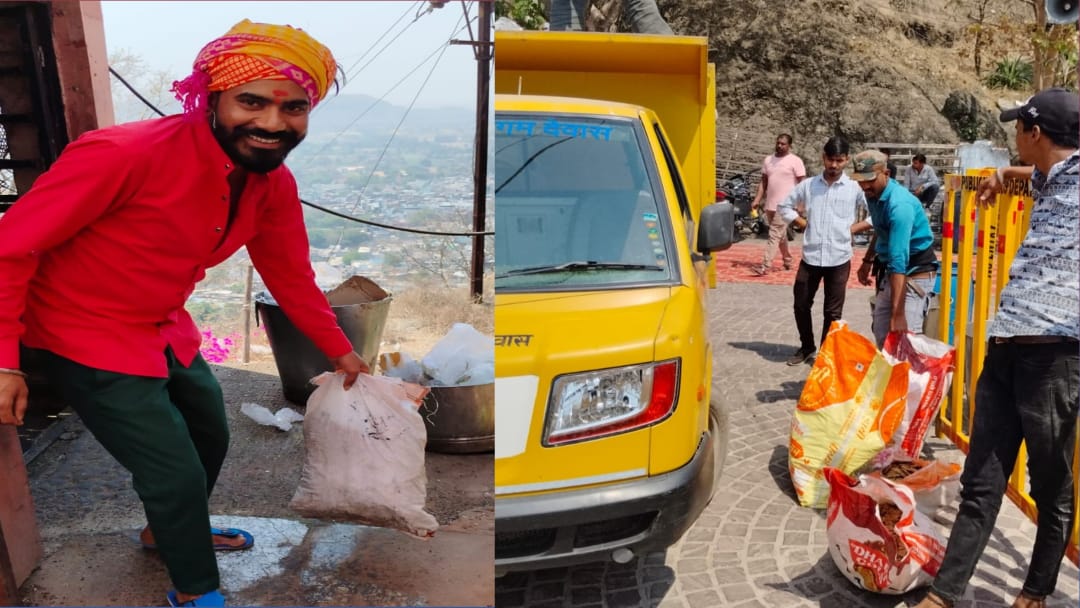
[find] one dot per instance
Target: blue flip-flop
(249, 540)
(214, 598)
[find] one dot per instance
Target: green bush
(1013, 73)
(529, 14)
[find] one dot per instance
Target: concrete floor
(89, 518)
(754, 546)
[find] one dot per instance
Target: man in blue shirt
(902, 252)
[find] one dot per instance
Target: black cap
(1056, 111)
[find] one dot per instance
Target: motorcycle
(736, 189)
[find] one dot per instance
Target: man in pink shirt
(779, 174)
(99, 257)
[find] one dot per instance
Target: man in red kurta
(99, 257)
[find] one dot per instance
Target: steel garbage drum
(361, 308)
(460, 419)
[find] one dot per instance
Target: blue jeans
(1025, 392)
(643, 16)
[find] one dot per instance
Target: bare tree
(1049, 42)
(152, 84)
(441, 257)
(980, 28)
(447, 258)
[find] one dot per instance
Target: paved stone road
(754, 546)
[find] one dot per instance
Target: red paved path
(736, 264)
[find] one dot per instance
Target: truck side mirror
(716, 231)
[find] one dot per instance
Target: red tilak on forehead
(278, 93)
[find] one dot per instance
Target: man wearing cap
(99, 257)
(1028, 388)
(901, 253)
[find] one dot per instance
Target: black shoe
(801, 356)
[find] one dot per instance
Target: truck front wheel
(718, 429)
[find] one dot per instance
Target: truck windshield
(574, 205)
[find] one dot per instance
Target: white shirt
(830, 210)
(916, 179)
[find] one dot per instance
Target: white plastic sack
(282, 419)
(877, 537)
(401, 365)
(463, 356)
(365, 454)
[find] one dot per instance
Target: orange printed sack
(851, 406)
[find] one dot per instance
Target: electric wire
(385, 46)
(309, 204)
(379, 39)
(346, 78)
(438, 51)
(468, 21)
(393, 134)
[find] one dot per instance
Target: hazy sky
(168, 35)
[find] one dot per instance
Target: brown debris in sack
(890, 515)
(899, 470)
(867, 575)
(356, 290)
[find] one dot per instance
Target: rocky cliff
(871, 70)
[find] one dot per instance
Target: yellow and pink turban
(257, 51)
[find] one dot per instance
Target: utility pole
(483, 50)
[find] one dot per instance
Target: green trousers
(172, 435)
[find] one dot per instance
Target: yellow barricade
(988, 237)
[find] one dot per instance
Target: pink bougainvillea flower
(215, 349)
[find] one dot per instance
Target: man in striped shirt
(1028, 388)
(827, 206)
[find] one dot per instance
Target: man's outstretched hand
(351, 365)
(988, 189)
(13, 398)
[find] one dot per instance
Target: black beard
(256, 160)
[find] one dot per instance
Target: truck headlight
(605, 402)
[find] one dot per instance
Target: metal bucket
(460, 419)
(297, 358)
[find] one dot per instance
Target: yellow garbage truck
(608, 442)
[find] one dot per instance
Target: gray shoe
(801, 356)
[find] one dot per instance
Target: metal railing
(987, 238)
